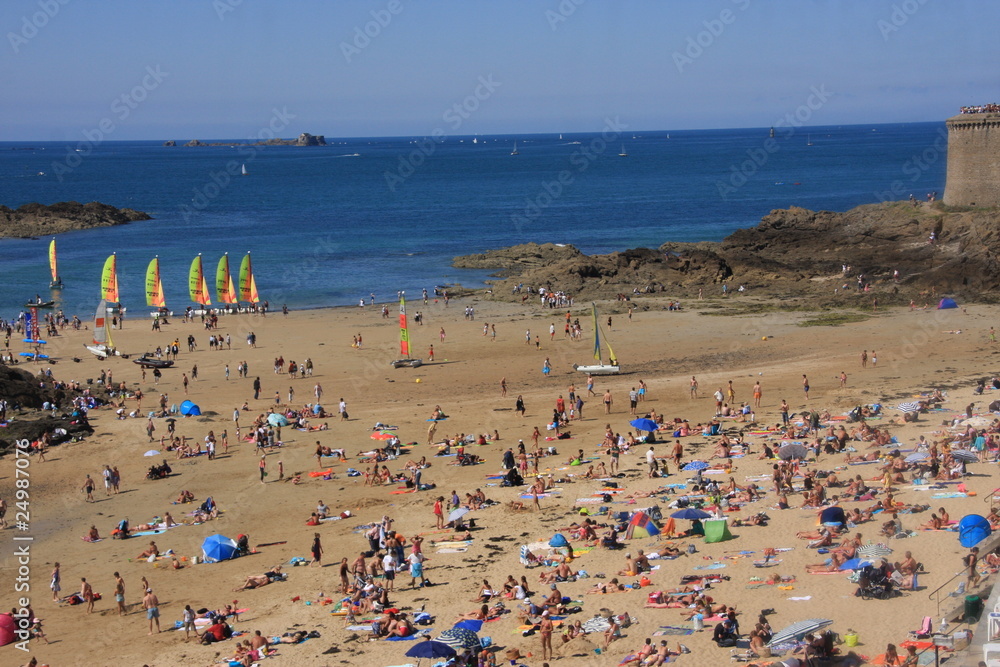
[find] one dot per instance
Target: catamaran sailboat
(57, 282)
(404, 340)
(600, 368)
(514, 152)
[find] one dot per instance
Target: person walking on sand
(971, 560)
(88, 488)
(152, 606)
(431, 430)
(843, 379)
(87, 593)
(256, 388)
(633, 400)
(430, 353)
(608, 401)
(120, 593)
(184, 381)
(188, 623)
(317, 551)
(590, 386)
(874, 359)
(441, 334)
(694, 387)
(342, 408)
(439, 513)
(805, 385)
(55, 583)
(757, 393)
(263, 468)
(503, 386)
(318, 392)
(864, 358)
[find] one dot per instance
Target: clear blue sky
(226, 70)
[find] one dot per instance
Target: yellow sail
(197, 285)
(53, 265)
(224, 287)
(154, 287)
(109, 280)
(248, 284)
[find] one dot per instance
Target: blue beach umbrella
(854, 564)
(643, 424)
(218, 547)
(274, 419)
(470, 624)
(460, 638)
(430, 649)
(690, 513)
(695, 465)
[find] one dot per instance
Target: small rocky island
(304, 139)
(40, 220)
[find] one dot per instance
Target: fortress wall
(973, 160)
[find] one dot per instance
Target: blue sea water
(329, 225)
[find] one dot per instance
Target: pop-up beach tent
(189, 409)
(641, 525)
(946, 303)
(717, 530)
(832, 515)
(972, 530)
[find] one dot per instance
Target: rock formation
(794, 252)
(39, 220)
(304, 139)
(24, 395)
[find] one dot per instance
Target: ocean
(330, 225)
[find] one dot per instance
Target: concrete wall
(973, 160)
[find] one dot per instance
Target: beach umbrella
(218, 547)
(643, 424)
(457, 514)
(431, 649)
(152, 452)
(874, 551)
(964, 455)
(792, 451)
(695, 465)
(274, 419)
(917, 456)
(170, 420)
(690, 513)
(460, 638)
(470, 624)
(910, 406)
(796, 631)
(854, 564)
(383, 435)
(976, 422)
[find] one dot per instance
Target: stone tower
(973, 160)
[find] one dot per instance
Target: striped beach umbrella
(874, 551)
(796, 631)
(460, 638)
(964, 455)
(910, 406)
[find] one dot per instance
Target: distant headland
(36, 219)
(304, 139)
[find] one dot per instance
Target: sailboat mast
(597, 338)
(404, 331)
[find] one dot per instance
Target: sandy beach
(917, 351)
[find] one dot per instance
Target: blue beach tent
(972, 530)
(189, 409)
(947, 303)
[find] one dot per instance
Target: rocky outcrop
(171, 142)
(39, 220)
(791, 252)
(304, 139)
(26, 395)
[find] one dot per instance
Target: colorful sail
(154, 287)
(109, 280)
(224, 282)
(53, 264)
(597, 336)
(197, 285)
(100, 332)
(404, 332)
(248, 284)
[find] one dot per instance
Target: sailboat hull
(407, 363)
(598, 369)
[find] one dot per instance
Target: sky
(212, 69)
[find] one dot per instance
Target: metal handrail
(934, 592)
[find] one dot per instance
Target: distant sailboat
(53, 267)
(475, 140)
(809, 141)
(514, 152)
(623, 153)
(560, 136)
(109, 280)
(772, 133)
(243, 170)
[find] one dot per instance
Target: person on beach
(54, 584)
(503, 387)
(805, 385)
(263, 468)
(120, 594)
(152, 606)
(694, 387)
(87, 593)
(519, 406)
(608, 401)
(317, 551)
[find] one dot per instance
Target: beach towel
(672, 630)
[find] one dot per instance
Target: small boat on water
(243, 170)
(623, 153)
(40, 304)
(514, 152)
(600, 368)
